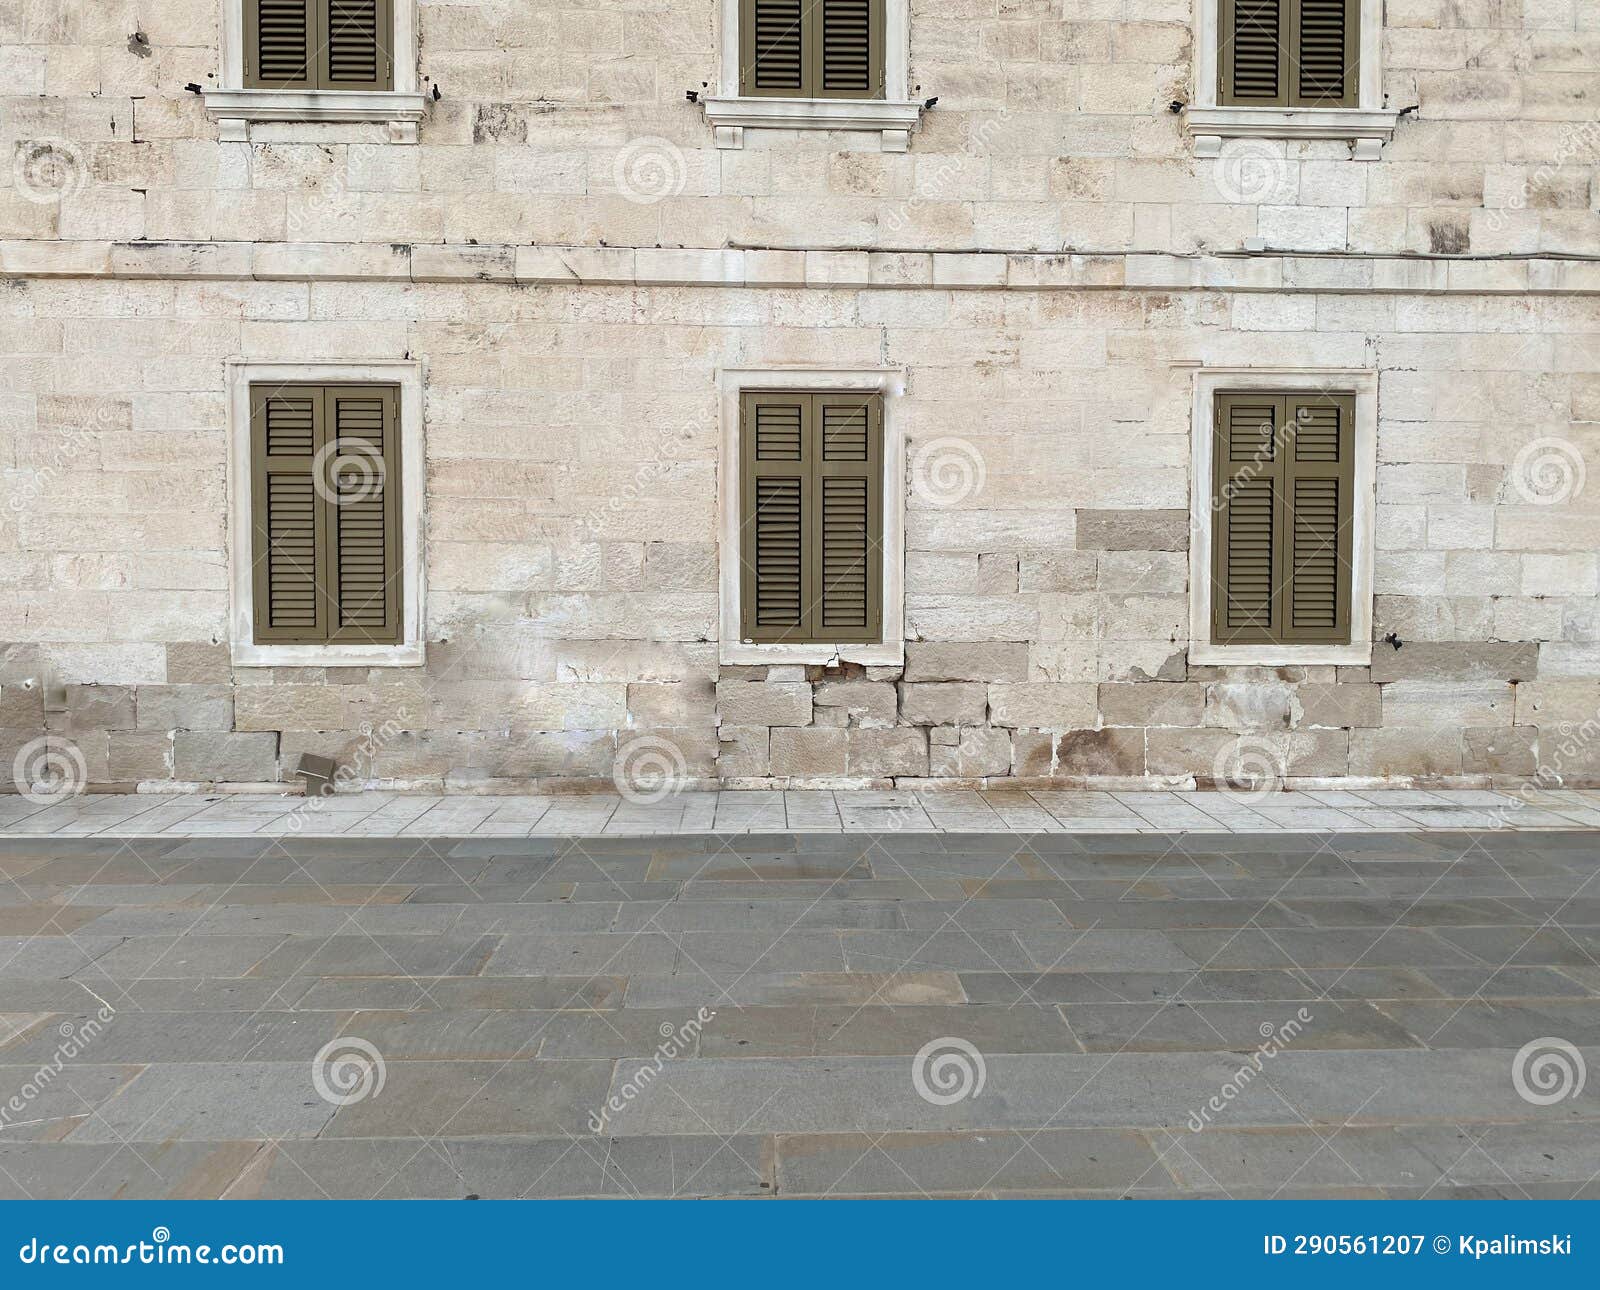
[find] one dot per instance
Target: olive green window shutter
(811, 48)
(1288, 53)
(326, 553)
(287, 520)
(358, 53)
(319, 44)
(1319, 497)
(1325, 47)
(811, 489)
(280, 44)
(1247, 547)
(363, 523)
(1283, 505)
(847, 529)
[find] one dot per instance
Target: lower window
(1283, 517)
(325, 497)
(810, 517)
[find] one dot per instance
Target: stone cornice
(657, 267)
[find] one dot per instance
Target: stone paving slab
(771, 1014)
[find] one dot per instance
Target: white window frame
(1367, 126)
(890, 383)
(246, 651)
(234, 107)
(894, 115)
(1208, 382)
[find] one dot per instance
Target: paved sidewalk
(377, 814)
(801, 1014)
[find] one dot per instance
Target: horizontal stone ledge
(688, 267)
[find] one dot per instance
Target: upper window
(318, 44)
(1289, 53)
(811, 517)
(325, 514)
(1284, 508)
(816, 49)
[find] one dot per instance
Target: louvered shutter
(1246, 538)
(287, 429)
(357, 53)
(848, 57)
(773, 48)
(776, 501)
(1319, 472)
(363, 517)
(1252, 67)
(280, 44)
(1324, 49)
(847, 523)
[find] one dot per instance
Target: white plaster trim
(1363, 383)
(407, 374)
(1369, 120)
(894, 114)
(887, 381)
(234, 106)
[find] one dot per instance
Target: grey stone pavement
(761, 1014)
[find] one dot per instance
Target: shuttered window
(325, 513)
(1283, 509)
(319, 44)
(811, 527)
(816, 49)
(1288, 53)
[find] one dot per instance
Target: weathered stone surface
(1337, 705)
(1133, 530)
(197, 663)
(1111, 752)
(184, 707)
(1405, 752)
(935, 703)
(808, 752)
(969, 753)
(746, 703)
(1152, 704)
(1455, 661)
(856, 703)
(208, 756)
(903, 751)
(978, 661)
(743, 751)
(99, 707)
(1043, 705)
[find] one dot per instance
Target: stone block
(1133, 530)
(131, 758)
(683, 703)
(940, 703)
(1152, 703)
(1249, 706)
(1033, 754)
(1113, 752)
(1510, 751)
(1186, 752)
(855, 703)
(743, 751)
(879, 753)
(969, 753)
(161, 708)
(808, 752)
(1055, 570)
(289, 707)
(99, 707)
(1405, 753)
(1455, 661)
(966, 661)
(1319, 753)
(197, 663)
(216, 757)
(1436, 704)
(1043, 705)
(1337, 706)
(764, 703)
(1548, 703)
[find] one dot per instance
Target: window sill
(1206, 654)
(730, 117)
(235, 110)
(749, 654)
(248, 654)
(1366, 130)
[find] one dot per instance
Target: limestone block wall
(571, 566)
(568, 123)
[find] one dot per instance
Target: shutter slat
(845, 431)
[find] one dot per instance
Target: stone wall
(571, 571)
(1052, 131)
